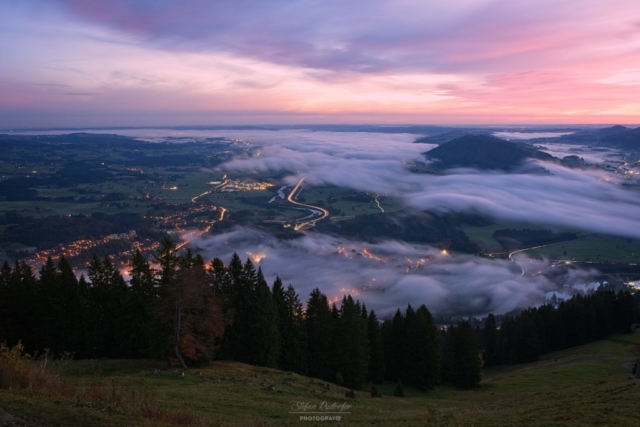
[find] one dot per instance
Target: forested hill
(483, 152)
(620, 137)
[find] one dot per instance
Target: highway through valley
(311, 222)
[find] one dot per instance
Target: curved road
(512, 253)
(198, 233)
(311, 222)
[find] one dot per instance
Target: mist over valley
(401, 228)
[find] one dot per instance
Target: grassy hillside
(583, 386)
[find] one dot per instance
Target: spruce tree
(218, 276)
(144, 338)
(395, 342)
(318, 322)
(412, 348)
(464, 364)
(84, 320)
(263, 332)
(430, 351)
(26, 299)
(528, 340)
(386, 334)
(352, 344)
(5, 301)
(291, 328)
(48, 306)
(490, 338)
(65, 305)
(624, 310)
(376, 351)
(240, 295)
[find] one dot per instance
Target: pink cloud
(464, 61)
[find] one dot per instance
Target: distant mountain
(620, 137)
(483, 152)
(613, 130)
(450, 135)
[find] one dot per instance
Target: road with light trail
(311, 222)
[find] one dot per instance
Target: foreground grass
(583, 386)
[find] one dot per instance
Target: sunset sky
(198, 62)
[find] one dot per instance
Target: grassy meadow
(583, 386)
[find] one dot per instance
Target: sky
(90, 63)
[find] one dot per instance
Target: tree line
(535, 331)
(194, 312)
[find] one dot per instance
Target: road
(224, 183)
(311, 222)
(199, 233)
(512, 253)
(376, 198)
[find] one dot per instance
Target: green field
(583, 386)
(483, 236)
(589, 247)
(339, 198)
(593, 248)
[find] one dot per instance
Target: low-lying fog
(588, 200)
(389, 274)
(462, 285)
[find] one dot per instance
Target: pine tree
(574, 318)
(352, 344)
(412, 347)
(84, 320)
(25, 301)
(463, 364)
(395, 342)
(528, 340)
(263, 331)
(554, 335)
(65, 304)
(239, 295)
(386, 335)
(5, 301)
(490, 335)
(218, 276)
(291, 328)
(430, 351)
(167, 259)
(376, 351)
(108, 290)
(234, 284)
(318, 321)
(624, 310)
(143, 337)
(253, 335)
(46, 330)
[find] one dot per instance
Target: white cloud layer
(588, 200)
(386, 275)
